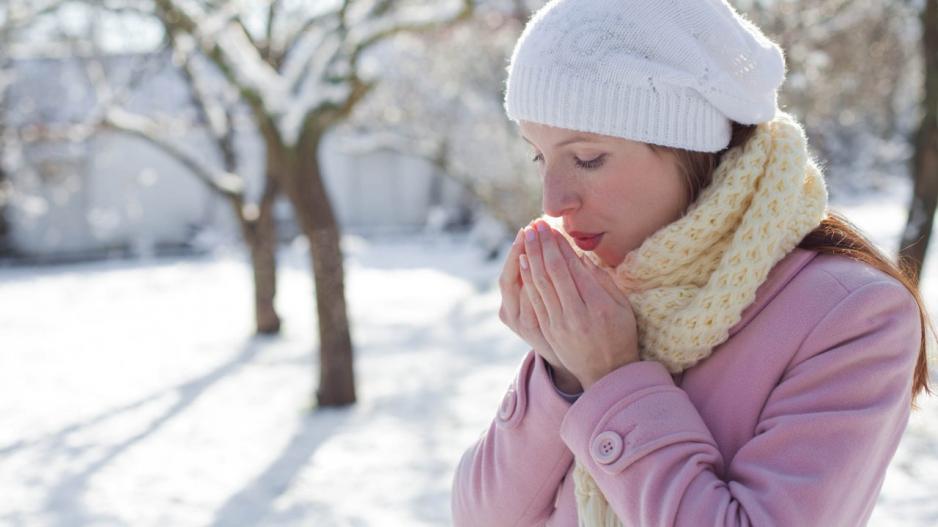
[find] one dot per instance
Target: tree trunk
(260, 235)
(5, 245)
(304, 186)
(918, 228)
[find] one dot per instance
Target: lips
(586, 241)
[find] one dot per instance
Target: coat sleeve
(820, 449)
(511, 475)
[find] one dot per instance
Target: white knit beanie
(668, 72)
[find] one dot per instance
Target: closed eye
(588, 165)
(592, 163)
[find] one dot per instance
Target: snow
(249, 68)
(133, 393)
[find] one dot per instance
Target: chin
(608, 259)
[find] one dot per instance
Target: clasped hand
(568, 309)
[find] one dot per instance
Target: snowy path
(133, 394)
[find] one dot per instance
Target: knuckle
(529, 322)
(551, 263)
(580, 324)
(541, 281)
(552, 256)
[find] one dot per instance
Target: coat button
(607, 447)
(509, 403)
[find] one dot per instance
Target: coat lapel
(778, 277)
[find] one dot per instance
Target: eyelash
(588, 165)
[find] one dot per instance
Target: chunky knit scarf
(689, 282)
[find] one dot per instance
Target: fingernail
(541, 226)
(529, 233)
(523, 260)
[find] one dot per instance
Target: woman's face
(605, 185)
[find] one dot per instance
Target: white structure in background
(119, 192)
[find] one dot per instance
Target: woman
(710, 344)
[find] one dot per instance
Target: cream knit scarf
(689, 282)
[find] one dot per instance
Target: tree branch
(267, 49)
(225, 183)
(110, 116)
(216, 115)
(228, 51)
(414, 23)
(294, 38)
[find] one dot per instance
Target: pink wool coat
(790, 422)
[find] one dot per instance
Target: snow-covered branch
(273, 10)
(212, 108)
(227, 43)
(311, 54)
(225, 183)
(293, 37)
(109, 114)
(317, 72)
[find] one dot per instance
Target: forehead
(536, 132)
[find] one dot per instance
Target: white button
(607, 447)
(509, 403)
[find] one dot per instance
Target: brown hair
(835, 235)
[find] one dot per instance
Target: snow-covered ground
(132, 393)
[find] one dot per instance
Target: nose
(558, 195)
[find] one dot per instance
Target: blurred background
(249, 248)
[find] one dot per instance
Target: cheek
(635, 185)
(644, 195)
(658, 184)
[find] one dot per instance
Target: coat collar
(778, 277)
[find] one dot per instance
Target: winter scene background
(183, 184)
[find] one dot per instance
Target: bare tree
(915, 238)
(301, 73)
(217, 113)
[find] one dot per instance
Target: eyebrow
(574, 139)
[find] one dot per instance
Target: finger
(591, 289)
(509, 281)
(527, 315)
(533, 295)
(510, 270)
(576, 267)
(555, 264)
(539, 276)
(606, 281)
(582, 267)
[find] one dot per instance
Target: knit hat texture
(672, 73)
